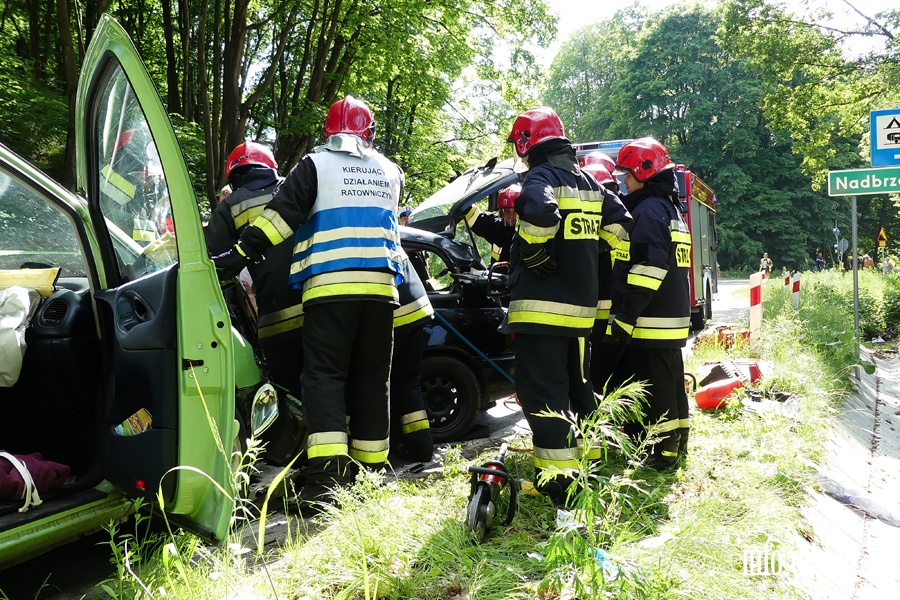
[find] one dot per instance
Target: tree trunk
(71, 78)
(172, 93)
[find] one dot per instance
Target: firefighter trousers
(347, 361)
(665, 398)
(551, 375)
(410, 431)
(283, 356)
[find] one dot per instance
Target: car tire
(452, 397)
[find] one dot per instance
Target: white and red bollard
(795, 291)
(756, 280)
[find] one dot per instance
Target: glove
(541, 263)
(620, 331)
(231, 262)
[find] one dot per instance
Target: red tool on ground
(487, 483)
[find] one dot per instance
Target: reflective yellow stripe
(567, 193)
(351, 289)
(280, 315)
(665, 426)
(273, 226)
(626, 326)
(622, 251)
(581, 346)
(551, 313)
(649, 271)
(246, 211)
(278, 328)
(419, 308)
(347, 233)
(681, 237)
(327, 443)
(661, 334)
(414, 421)
(247, 216)
(369, 451)
(568, 202)
(495, 252)
(664, 322)
(561, 458)
(617, 231)
(684, 423)
(123, 190)
(536, 235)
(592, 453)
(472, 215)
(350, 283)
(280, 321)
(645, 282)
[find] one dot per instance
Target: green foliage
(667, 75)
(35, 116)
(193, 146)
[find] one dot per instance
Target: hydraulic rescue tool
(487, 483)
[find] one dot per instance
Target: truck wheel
(707, 308)
(452, 397)
(697, 319)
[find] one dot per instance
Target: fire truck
(698, 205)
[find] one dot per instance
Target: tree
(674, 81)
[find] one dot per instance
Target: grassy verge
(636, 534)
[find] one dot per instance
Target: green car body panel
(210, 357)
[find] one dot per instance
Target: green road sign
(856, 182)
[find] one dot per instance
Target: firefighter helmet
(250, 153)
(600, 173)
(352, 116)
(507, 197)
(599, 158)
(534, 127)
(644, 158)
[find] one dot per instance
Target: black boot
(683, 443)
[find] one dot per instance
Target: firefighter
(132, 180)
(553, 288)
(252, 174)
(500, 229)
(604, 357)
(650, 314)
(340, 205)
(602, 159)
(410, 431)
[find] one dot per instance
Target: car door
(164, 326)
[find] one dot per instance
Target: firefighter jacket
(650, 288)
(340, 206)
(280, 308)
(564, 213)
(415, 308)
(605, 268)
(492, 228)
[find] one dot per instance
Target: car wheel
(452, 397)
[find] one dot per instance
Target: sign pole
(855, 240)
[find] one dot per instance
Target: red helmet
(599, 158)
(535, 126)
(600, 173)
(507, 197)
(351, 116)
(644, 158)
(250, 153)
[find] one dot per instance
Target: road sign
(855, 182)
(884, 126)
(882, 237)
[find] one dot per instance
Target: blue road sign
(885, 130)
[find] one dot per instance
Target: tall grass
(634, 532)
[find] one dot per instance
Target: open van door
(164, 328)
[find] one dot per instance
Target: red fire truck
(699, 210)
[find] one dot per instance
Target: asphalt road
(73, 571)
